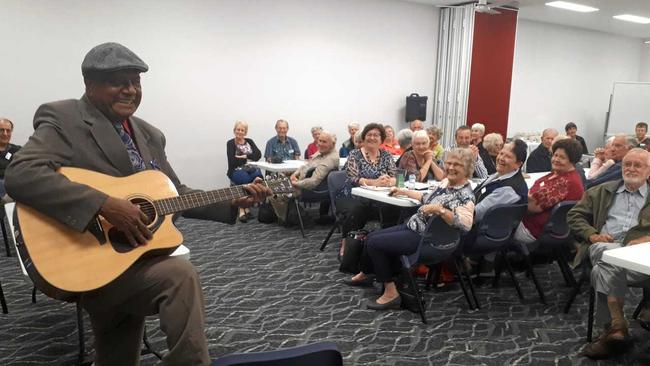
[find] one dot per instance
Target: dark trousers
(357, 212)
(384, 247)
(241, 176)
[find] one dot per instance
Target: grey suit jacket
(75, 133)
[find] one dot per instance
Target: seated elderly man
(464, 140)
(609, 217)
(620, 146)
(281, 147)
(416, 125)
(540, 159)
(311, 176)
(7, 150)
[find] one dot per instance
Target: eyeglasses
(5, 130)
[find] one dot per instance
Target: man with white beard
(609, 216)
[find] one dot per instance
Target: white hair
(491, 140)
(353, 125)
(327, 133)
(316, 129)
(404, 137)
(420, 134)
(479, 126)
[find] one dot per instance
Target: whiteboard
(629, 104)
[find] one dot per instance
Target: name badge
(483, 190)
(8, 156)
(542, 184)
(290, 151)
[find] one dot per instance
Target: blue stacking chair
(493, 234)
(317, 354)
(335, 182)
(438, 243)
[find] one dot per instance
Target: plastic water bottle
(411, 181)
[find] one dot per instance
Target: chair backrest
(439, 241)
(501, 220)
(9, 211)
(317, 354)
(557, 229)
(335, 182)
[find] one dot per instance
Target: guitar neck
(189, 201)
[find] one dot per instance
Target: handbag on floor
(266, 214)
(353, 249)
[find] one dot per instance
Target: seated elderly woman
(435, 134)
(241, 150)
(390, 143)
(492, 143)
(419, 161)
(404, 138)
(312, 148)
(602, 160)
(366, 166)
(452, 200)
(348, 145)
(563, 183)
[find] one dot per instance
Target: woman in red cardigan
(563, 183)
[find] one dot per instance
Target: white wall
(213, 62)
(644, 73)
(564, 74)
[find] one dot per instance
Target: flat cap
(111, 56)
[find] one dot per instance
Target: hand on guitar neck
(127, 218)
(257, 191)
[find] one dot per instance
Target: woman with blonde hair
(240, 150)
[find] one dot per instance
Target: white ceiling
(601, 20)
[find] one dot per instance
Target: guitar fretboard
(168, 206)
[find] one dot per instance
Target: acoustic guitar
(63, 262)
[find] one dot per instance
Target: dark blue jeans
(242, 176)
(384, 248)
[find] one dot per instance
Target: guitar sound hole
(147, 208)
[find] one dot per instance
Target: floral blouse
(358, 167)
(459, 200)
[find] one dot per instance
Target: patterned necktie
(134, 155)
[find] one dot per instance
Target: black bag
(353, 249)
(266, 214)
(407, 291)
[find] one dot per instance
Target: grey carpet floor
(266, 288)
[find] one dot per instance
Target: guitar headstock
(279, 184)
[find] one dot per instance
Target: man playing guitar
(99, 133)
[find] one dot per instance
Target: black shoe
(366, 282)
(243, 218)
(394, 304)
(249, 215)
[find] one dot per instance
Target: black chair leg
(512, 275)
(80, 332)
(590, 316)
(148, 348)
(531, 271)
(462, 286)
(417, 294)
(34, 295)
(584, 278)
(329, 235)
(471, 284)
(3, 302)
(5, 237)
(302, 226)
